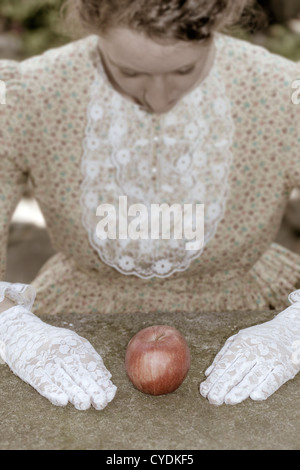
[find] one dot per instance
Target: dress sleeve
(13, 171)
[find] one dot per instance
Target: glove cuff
(21, 294)
(291, 313)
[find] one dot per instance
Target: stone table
(136, 421)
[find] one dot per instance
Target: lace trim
(181, 157)
(22, 294)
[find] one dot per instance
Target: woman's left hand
(256, 361)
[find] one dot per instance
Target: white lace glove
(256, 361)
(61, 365)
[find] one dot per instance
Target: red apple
(157, 359)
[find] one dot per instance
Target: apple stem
(158, 338)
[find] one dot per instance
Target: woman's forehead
(130, 49)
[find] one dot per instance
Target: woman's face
(154, 75)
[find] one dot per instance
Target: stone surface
(136, 421)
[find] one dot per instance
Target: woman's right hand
(61, 365)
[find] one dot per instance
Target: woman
(157, 105)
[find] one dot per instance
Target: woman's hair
(183, 20)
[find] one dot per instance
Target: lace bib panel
(181, 157)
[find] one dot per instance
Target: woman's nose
(157, 95)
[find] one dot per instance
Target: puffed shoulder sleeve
(13, 167)
(293, 159)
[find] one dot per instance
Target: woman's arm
(61, 365)
(13, 176)
(13, 170)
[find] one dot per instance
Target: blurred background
(29, 27)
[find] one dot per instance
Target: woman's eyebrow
(136, 71)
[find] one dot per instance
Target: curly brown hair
(159, 19)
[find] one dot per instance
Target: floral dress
(231, 144)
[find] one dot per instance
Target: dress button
(154, 170)
(155, 139)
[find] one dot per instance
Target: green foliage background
(36, 24)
